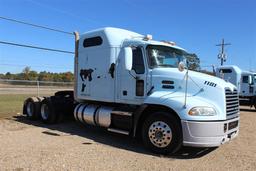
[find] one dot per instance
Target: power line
(35, 47)
(35, 25)
(65, 12)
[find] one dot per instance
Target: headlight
(202, 111)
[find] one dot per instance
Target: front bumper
(209, 134)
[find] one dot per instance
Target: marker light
(148, 37)
(169, 43)
(172, 43)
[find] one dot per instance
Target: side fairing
(95, 81)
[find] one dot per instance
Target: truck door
(251, 85)
(246, 86)
(254, 87)
(133, 83)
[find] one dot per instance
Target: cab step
(122, 113)
(118, 131)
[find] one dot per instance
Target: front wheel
(161, 133)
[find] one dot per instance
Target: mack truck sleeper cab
(130, 84)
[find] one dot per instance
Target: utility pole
(222, 55)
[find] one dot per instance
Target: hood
(202, 89)
(196, 80)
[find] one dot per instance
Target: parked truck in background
(244, 81)
(130, 84)
(254, 76)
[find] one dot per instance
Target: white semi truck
(244, 81)
(130, 84)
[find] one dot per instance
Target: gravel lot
(27, 145)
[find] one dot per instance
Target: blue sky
(196, 25)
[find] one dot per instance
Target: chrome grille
(232, 103)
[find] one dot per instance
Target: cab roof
(115, 37)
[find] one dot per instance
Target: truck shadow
(248, 109)
(99, 135)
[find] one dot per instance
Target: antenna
(222, 56)
(213, 69)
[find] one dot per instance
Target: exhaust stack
(76, 33)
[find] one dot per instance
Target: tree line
(193, 62)
(28, 74)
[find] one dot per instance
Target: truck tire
(31, 107)
(162, 133)
(48, 114)
(254, 102)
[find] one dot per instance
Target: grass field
(13, 96)
(11, 104)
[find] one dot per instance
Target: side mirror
(128, 58)
(181, 66)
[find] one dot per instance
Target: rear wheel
(31, 107)
(48, 114)
(161, 133)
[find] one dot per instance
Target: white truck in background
(130, 84)
(254, 76)
(245, 82)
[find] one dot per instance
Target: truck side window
(226, 70)
(93, 41)
(137, 61)
(245, 79)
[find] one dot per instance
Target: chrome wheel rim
(30, 109)
(44, 111)
(160, 134)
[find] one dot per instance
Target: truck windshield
(164, 56)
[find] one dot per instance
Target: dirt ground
(31, 145)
